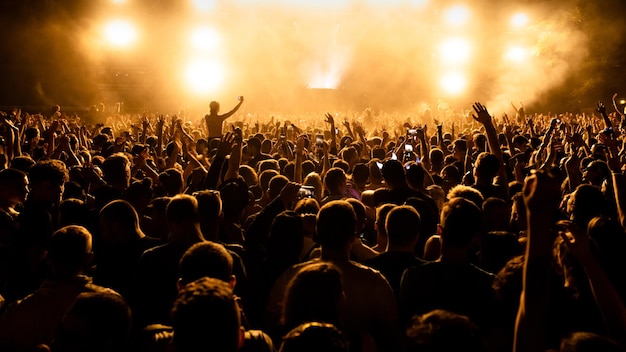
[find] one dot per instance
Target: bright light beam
(456, 15)
(454, 51)
(203, 76)
(519, 20)
(453, 83)
(517, 54)
(120, 33)
(203, 5)
(204, 39)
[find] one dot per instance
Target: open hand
(483, 115)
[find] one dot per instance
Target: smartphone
(408, 148)
(306, 192)
(412, 132)
(379, 165)
(319, 141)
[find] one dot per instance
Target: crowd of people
(441, 231)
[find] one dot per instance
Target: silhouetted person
(214, 120)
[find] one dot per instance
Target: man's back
(460, 288)
(369, 310)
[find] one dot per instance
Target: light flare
(120, 33)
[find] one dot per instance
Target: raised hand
(482, 116)
(541, 192)
(329, 118)
(601, 108)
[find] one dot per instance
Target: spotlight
(120, 33)
(453, 83)
(454, 50)
(519, 20)
(623, 101)
(204, 39)
(456, 15)
(516, 54)
(204, 76)
(203, 5)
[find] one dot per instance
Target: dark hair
(182, 208)
(69, 249)
(402, 225)
(334, 178)
(314, 337)
(441, 330)
(205, 313)
(487, 165)
(105, 324)
(313, 294)
(461, 222)
(336, 224)
(48, 170)
(206, 259)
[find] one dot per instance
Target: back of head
(234, 194)
(209, 205)
(588, 342)
(254, 145)
(313, 294)
(487, 165)
(214, 106)
(114, 169)
(73, 211)
(268, 164)
(402, 226)
(461, 222)
(360, 173)
(96, 322)
(172, 181)
(206, 259)
(466, 192)
(265, 177)
(51, 170)
(314, 337)
(415, 174)
(589, 202)
(336, 225)
(122, 213)
(393, 172)
(443, 331)
(205, 314)
(286, 238)
(334, 179)
(276, 185)
(69, 250)
(181, 209)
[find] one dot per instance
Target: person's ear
(179, 284)
(439, 229)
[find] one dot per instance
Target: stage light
(119, 2)
(622, 101)
(516, 54)
(454, 50)
(453, 83)
(203, 76)
(120, 33)
(203, 5)
(418, 3)
(519, 20)
(456, 15)
(204, 39)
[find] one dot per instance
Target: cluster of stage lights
(455, 52)
(204, 72)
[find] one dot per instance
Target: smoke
(294, 56)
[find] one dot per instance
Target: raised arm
(234, 110)
(608, 300)
(541, 197)
(492, 138)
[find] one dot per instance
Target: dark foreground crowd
(433, 232)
